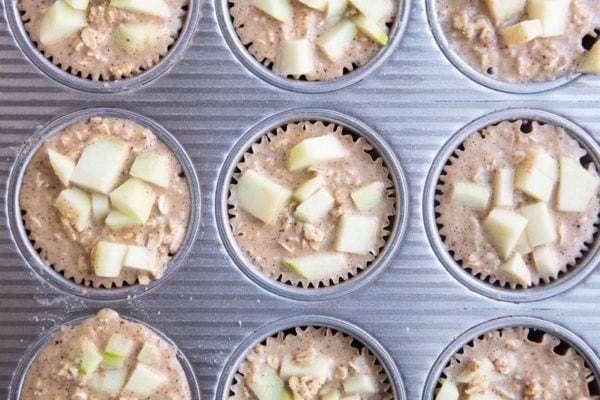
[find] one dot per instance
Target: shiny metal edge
(30, 255)
(239, 354)
(479, 77)
(18, 379)
(569, 279)
(266, 74)
(57, 74)
(398, 228)
(562, 333)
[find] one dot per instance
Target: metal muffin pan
(565, 280)
(15, 217)
(352, 127)
(271, 330)
(415, 101)
(47, 67)
(18, 380)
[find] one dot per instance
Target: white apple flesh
(61, 21)
(79, 4)
(281, 10)
(554, 15)
(117, 220)
(318, 266)
(149, 354)
(315, 208)
(337, 40)
(356, 234)
(141, 258)
(296, 58)
(108, 382)
(546, 262)
(540, 224)
(537, 175)
(336, 8)
(133, 198)
(62, 166)
(319, 368)
(260, 196)
(116, 351)
(266, 384)
(576, 187)
(76, 206)
(308, 188)
(591, 61)
(522, 32)
(317, 150)
(503, 187)
(368, 196)
(135, 37)
(503, 10)
(107, 259)
(504, 228)
(360, 384)
(373, 9)
(152, 168)
(371, 28)
(516, 269)
(143, 381)
(448, 391)
(320, 5)
(100, 206)
(471, 195)
(157, 8)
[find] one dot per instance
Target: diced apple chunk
(477, 369)
(371, 28)
(149, 354)
(296, 57)
(62, 166)
(260, 196)
(134, 37)
(107, 259)
(108, 382)
(336, 8)
(308, 188)
(503, 10)
(522, 32)
(537, 175)
(516, 269)
(336, 41)
(267, 385)
(79, 4)
(319, 368)
(316, 150)
(504, 229)
(116, 351)
(100, 206)
(100, 165)
(503, 187)
(141, 258)
(320, 5)
(374, 9)
(554, 15)
(143, 381)
(591, 61)
(523, 246)
(61, 21)
(117, 220)
(315, 208)
(448, 391)
(577, 186)
(133, 198)
(471, 195)
(546, 262)
(281, 10)
(335, 395)
(356, 234)
(76, 206)
(86, 357)
(317, 266)
(151, 167)
(368, 196)
(484, 396)
(360, 384)
(540, 224)
(157, 8)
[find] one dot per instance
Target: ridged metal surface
(416, 101)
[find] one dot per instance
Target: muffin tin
(416, 101)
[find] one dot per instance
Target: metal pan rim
(22, 243)
(571, 278)
(365, 277)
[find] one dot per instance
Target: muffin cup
(397, 228)
(18, 379)
(271, 330)
(18, 230)
(56, 73)
(268, 75)
(477, 76)
(566, 337)
(566, 280)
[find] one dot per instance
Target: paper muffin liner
(323, 338)
(270, 143)
(474, 144)
(132, 65)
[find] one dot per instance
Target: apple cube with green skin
(356, 234)
(79, 4)
(546, 262)
(371, 28)
(296, 57)
(260, 196)
(141, 258)
(540, 224)
(149, 354)
(108, 382)
(76, 206)
(100, 165)
(537, 175)
(448, 391)
(316, 150)
(504, 228)
(368, 196)
(554, 15)
(117, 220)
(151, 167)
(107, 259)
(281, 10)
(576, 187)
(133, 198)
(157, 8)
(516, 269)
(308, 188)
(100, 206)
(315, 208)
(61, 21)
(591, 61)
(337, 40)
(318, 266)
(143, 381)
(522, 32)
(471, 194)
(136, 37)
(62, 166)
(502, 10)
(373, 9)
(336, 8)
(320, 5)
(319, 368)
(503, 187)
(116, 351)
(266, 384)
(360, 384)
(86, 357)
